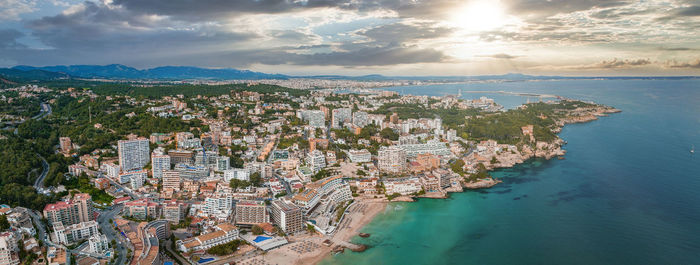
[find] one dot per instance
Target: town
(245, 173)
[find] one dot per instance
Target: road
(39, 186)
(107, 228)
(127, 191)
(45, 111)
(168, 247)
(39, 182)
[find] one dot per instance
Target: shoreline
(359, 215)
(544, 150)
(365, 209)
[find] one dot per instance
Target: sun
(479, 15)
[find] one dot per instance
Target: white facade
(434, 147)
(223, 163)
(341, 116)
(110, 169)
(159, 163)
(8, 251)
(128, 176)
(359, 156)
(224, 233)
(360, 118)
(316, 160)
(236, 173)
(192, 143)
(391, 159)
(316, 118)
(74, 233)
(133, 154)
(98, 244)
(403, 187)
(220, 203)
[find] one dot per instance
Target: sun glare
(479, 15)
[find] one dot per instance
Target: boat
(364, 235)
(692, 149)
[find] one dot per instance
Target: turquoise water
(628, 191)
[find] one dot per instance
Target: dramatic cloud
(434, 36)
(615, 63)
(8, 39)
(692, 11)
(693, 64)
(12, 9)
(500, 56)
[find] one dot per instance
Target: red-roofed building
(73, 211)
(141, 209)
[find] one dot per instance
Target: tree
(226, 249)
(310, 228)
(458, 166)
(4, 223)
(238, 184)
(257, 230)
(388, 133)
(393, 195)
(494, 160)
(255, 179)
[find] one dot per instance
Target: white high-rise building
(341, 116)
(316, 118)
(110, 169)
(98, 244)
(359, 156)
(316, 160)
(391, 159)
(223, 163)
(133, 154)
(218, 203)
(360, 118)
(9, 253)
(236, 173)
(137, 180)
(159, 163)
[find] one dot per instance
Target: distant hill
(122, 72)
(118, 71)
(16, 75)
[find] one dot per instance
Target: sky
(357, 37)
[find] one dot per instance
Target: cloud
(545, 8)
(500, 56)
(692, 64)
(616, 63)
(12, 9)
(692, 11)
(353, 33)
(203, 9)
(612, 64)
(405, 32)
(681, 13)
(365, 56)
(674, 49)
(8, 39)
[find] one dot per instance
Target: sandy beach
(309, 249)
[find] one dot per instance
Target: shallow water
(628, 191)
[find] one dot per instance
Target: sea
(627, 192)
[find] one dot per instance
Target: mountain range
(122, 72)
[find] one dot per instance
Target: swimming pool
(259, 239)
(205, 260)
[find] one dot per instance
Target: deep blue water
(628, 191)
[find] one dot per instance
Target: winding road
(108, 229)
